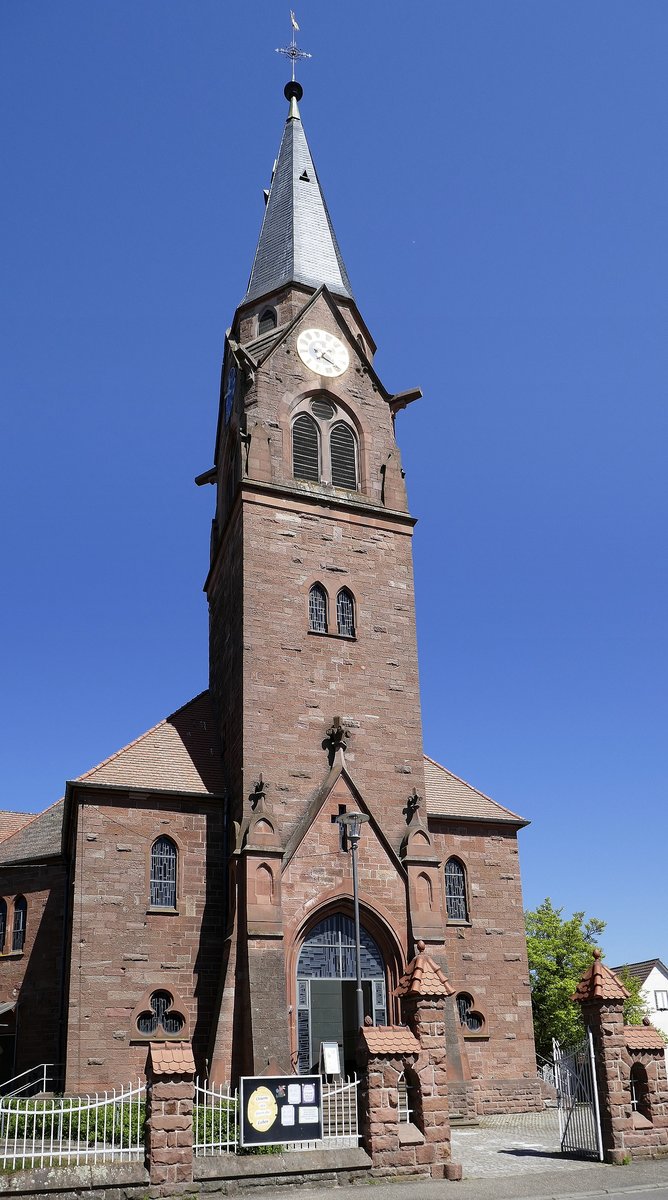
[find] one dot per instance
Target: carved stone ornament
(338, 736)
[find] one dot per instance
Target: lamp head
(352, 823)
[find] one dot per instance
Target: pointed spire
(599, 984)
(423, 977)
(297, 241)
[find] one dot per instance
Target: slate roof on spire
(297, 241)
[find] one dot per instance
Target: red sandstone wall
(488, 959)
(295, 682)
(119, 949)
(33, 976)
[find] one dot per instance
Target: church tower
(313, 658)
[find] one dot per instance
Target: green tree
(559, 952)
(635, 1008)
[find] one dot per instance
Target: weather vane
(292, 51)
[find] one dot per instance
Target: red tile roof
(39, 838)
(643, 1037)
(423, 978)
(599, 983)
(172, 1058)
(11, 822)
(449, 796)
(180, 754)
(390, 1040)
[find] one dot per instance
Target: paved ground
(518, 1144)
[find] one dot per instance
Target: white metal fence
(69, 1131)
(215, 1119)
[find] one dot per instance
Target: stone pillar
(386, 1051)
(606, 1021)
(602, 997)
(424, 990)
(169, 1117)
(426, 1018)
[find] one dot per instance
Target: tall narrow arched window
(3, 925)
(267, 321)
(163, 873)
(305, 448)
(19, 928)
(455, 891)
(343, 450)
(317, 609)
(345, 613)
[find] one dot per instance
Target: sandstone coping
(303, 1163)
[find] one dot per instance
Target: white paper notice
(295, 1093)
(309, 1093)
(288, 1114)
(308, 1116)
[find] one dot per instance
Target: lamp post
(352, 823)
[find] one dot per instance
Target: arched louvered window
(3, 925)
(317, 609)
(163, 873)
(267, 321)
(455, 891)
(345, 613)
(343, 450)
(19, 930)
(305, 448)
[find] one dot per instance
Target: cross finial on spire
(292, 51)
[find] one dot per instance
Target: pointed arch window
(163, 873)
(343, 450)
(267, 321)
(3, 925)
(20, 920)
(455, 891)
(317, 609)
(345, 613)
(305, 448)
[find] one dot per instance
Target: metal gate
(577, 1099)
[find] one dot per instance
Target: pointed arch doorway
(326, 990)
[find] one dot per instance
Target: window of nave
(325, 444)
(20, 922)
(162, 883)
(456, 891)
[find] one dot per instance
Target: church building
(197, 883)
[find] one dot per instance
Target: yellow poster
(262, 1109)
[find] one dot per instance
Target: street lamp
(352, 823)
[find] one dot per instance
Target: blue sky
(497, 177)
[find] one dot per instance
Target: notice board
(276, 1109)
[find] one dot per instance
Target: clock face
(322, 352)
(230, 388)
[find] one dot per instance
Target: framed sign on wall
(277, 1109)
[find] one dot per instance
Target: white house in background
(654, 979)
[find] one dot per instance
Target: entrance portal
(326, 991)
